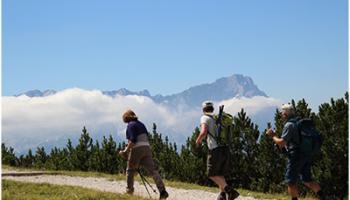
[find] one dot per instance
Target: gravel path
(106, 185)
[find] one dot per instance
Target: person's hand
(123, 154)
(270, 132)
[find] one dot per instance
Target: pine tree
(71, 155)
(193, 159)
(58, 159)
(83, 151)
(40, 158)
(65, 163)
(332, 169)
(302, 109)
(95, 163)
(28, 160)
(8, 156)
(109, 155)
(244, 151)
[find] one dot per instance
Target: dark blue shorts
(298, 166)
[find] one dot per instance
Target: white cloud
(252, 105)
(27, 122)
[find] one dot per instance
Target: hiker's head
(287, 111)
(128, 116)
(208, 107)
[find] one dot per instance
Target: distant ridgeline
(257, 167)
(221, 89)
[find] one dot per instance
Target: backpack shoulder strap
(209, 116)
(297, 122)
(215, 137)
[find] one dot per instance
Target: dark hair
(208, 109)
(129, 115)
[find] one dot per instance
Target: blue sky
(291, 49)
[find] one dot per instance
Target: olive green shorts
(218, 162)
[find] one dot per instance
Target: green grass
(13, 190)
(174, 184)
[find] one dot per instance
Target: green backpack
(223, 123)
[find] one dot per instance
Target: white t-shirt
(210, 122)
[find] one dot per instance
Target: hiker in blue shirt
(138, 152)
(298, 164)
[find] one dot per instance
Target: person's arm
(279, 141)
(129, 146)
(130, 135)
(202, 134)
(124, 153)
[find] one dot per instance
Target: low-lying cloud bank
(51, 120)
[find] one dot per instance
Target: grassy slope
(167, 183)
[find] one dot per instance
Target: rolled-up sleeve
(287, 132)
(204, 120)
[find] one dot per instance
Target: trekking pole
(219, 120)
(259, 138)
(144, 178)
(261, 134)
(144, 181)
(145, 186)
(125, 157)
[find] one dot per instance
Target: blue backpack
(310, 138)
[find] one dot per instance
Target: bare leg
(220, 181)
(293, 190)
(314, 186)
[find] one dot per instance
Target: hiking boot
(222, 196)
(130, 191)
(163, 194)
(231, 193)
(323, 198)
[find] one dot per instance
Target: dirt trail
(106, 185)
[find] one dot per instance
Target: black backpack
(310, 139)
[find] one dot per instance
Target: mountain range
(51, 123)
(224, 88)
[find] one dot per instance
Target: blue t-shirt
(290, 134)
(134, 129)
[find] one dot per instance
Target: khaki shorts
(141, 155)
(218, 162)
